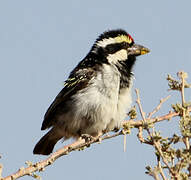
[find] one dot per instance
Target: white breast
(123, 104)
(99, 106)
(98, 102)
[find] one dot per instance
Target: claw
(87, 137)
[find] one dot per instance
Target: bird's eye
(125, 45)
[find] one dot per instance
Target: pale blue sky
(41, 41)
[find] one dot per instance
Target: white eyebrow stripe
(118, 39)
(104, 42)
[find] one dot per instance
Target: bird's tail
(47, 142)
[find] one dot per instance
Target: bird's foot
(116, 129)
(89, 137)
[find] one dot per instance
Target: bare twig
(139, 105)
(158, 107)
(154, 174)
(189, 170)
(182, 75)
(124, 142)
(161, 171)
(140, 135)
(158, 148)
(82, 143)
(168, 116)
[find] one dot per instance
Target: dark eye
(113, 48)
(125, 45)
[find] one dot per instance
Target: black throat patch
(125, 68)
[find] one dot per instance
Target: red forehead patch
(130, 37)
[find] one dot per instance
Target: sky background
(42, 41)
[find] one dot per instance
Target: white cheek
(118, 56)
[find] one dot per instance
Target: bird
(97, 93)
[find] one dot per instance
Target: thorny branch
(161, 170)
(39, 166)
(154, 142)
(127, 125)
(158, 107)
(176, 160)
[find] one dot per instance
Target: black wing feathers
(77, 80)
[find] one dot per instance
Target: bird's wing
(76, 81)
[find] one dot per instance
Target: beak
(137, 50)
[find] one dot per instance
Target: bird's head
(117, 45)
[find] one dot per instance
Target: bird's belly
(95, 110)
(94, 107)
(101, 106)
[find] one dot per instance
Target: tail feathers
(47, 142)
